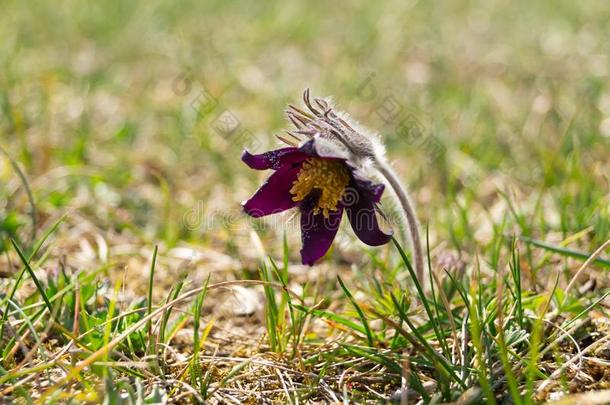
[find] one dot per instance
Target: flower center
(330, 177)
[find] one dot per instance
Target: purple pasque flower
(319, 180)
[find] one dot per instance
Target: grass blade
(150, 288)
(34, 278)
(365, 324)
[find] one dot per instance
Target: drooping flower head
(320, 173)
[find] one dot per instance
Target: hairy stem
(409, 213)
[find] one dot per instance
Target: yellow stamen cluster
(330, 177)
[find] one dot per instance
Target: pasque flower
(322, 173)
(322, 183)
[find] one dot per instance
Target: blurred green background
(101, 106)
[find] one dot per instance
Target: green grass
(128, 273)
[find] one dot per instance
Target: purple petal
(318, 233)
(366, 186)
(273, 159)
(360, 209)
(274, 195)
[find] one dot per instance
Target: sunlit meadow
(129, 272)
